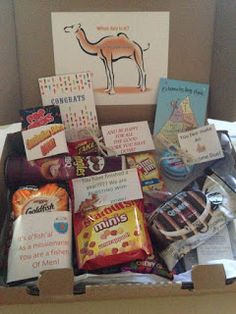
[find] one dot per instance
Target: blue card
(181, 106)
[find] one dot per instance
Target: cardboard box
(190, 48)
(56, 286)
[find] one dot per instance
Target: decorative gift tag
(107, 188)
(128, 138)
(73, 93)
(45, 141)
(201, 145)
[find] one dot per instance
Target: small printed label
(128, 138)
(200, 145)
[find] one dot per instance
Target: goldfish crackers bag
(111, 235)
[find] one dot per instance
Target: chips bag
(111, 235)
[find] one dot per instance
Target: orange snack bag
(32, 200)
(111, 235)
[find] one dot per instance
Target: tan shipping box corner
(190, 49)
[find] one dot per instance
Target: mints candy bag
(111, 235)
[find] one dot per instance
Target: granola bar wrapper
(111, 235)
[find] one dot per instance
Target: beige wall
(223, 75)
(191, 36)
(10, 100)
(35, 51)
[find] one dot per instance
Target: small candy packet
(111, 235)
(44, 141)
(153, 264)
(83, 147)
(38, 116)
(147, 169)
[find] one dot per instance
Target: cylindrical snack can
(19, 171)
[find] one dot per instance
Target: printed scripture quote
(39, 244)
(128, 138)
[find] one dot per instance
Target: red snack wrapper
(151, 265)
(111, 235)
(83, 147)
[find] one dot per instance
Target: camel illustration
(111, 49)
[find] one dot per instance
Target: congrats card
(45, 141)
(126, 138)
(73, 93)
(181, 106)
(107, 188)
(126, 56)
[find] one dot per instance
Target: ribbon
(174, 149)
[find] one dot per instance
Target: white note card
(200, 145)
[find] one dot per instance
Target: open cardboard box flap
(57, 285)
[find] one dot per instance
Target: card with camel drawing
(127, 52)
(181, 106)
(73, 93)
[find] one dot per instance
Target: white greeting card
(201, 145)
(127, 52)
(125, 138)
(45, 141)
(40, 242)
(109, 188)
(73, 93)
